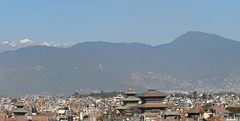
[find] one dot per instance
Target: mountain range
(13, 45)
(193, 61)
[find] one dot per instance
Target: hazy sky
(147, 21)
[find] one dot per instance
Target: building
(152, 105)
(195, 112)
(128, 103)
(19, 109)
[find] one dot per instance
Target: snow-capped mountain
(13, 45)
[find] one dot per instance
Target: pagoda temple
(19, 109)
(128, 103)
(20, 112)
(152, 104)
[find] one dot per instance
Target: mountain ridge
(195, 60)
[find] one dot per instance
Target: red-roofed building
(152, 106)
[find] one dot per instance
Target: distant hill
(194, 61)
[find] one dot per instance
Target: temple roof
(128, 106)
(131, 98)
(153, 93)
(171, 113)
(19, 104)
(130, 91)
(19, 110)
(152, 105)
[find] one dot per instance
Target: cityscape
(119, 60)
(128, 105)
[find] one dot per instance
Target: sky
(146, 21)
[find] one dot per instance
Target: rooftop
(218, 108)
(131, 98)
(152, 105)
(153, 93)
(196, 109)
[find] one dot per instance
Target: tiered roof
(153, 93)
(130, 92)
(130, 98)
(153, 105)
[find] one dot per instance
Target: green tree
(233, 110)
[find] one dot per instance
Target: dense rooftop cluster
(128, 105)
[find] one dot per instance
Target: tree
(204, 96)
(195, 95)
(76, 94)
(233, 110)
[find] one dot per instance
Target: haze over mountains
(194, 61)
